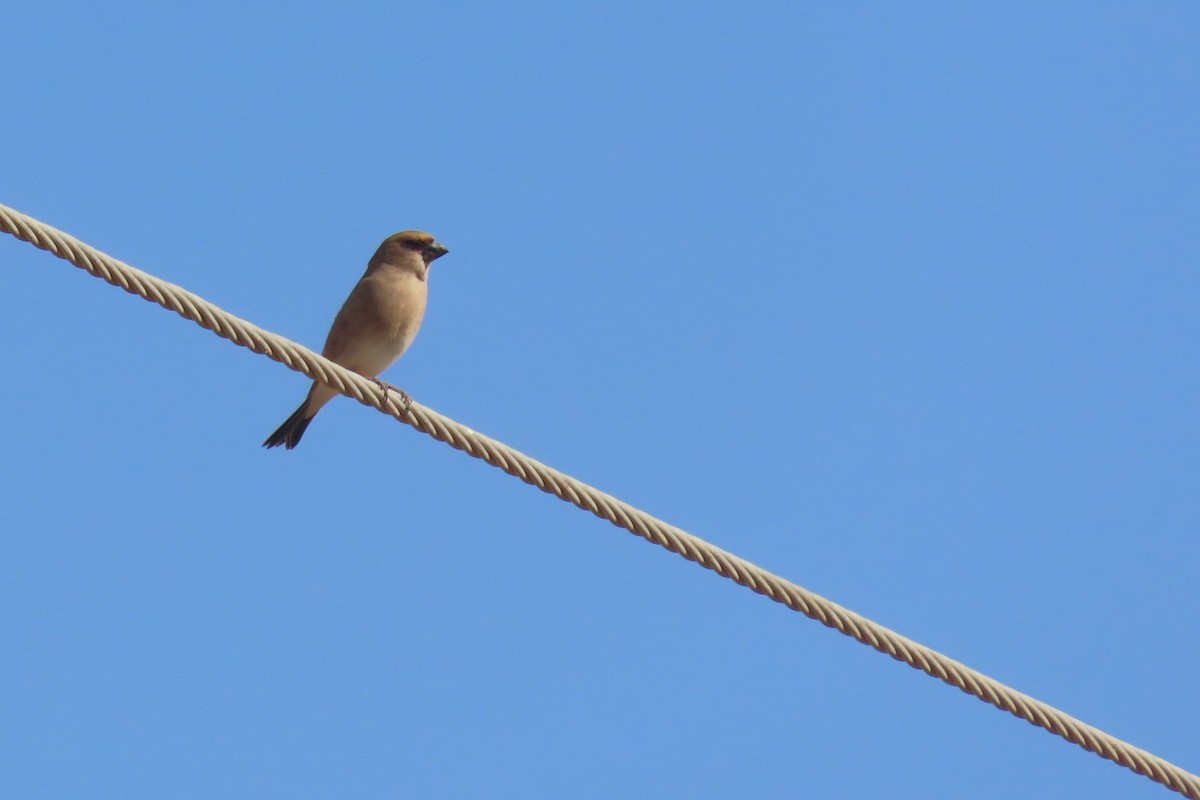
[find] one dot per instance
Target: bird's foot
(387, 387)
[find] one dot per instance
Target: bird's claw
(387, 387)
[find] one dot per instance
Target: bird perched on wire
(377, 322)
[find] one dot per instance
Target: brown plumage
(377, 322)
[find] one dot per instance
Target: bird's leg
(387, 387)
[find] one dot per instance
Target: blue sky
(897, 301)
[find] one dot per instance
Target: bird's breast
(378, 323)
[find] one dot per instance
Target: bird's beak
(435, 251)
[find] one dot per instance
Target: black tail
(288, 434)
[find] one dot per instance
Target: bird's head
(430, 249)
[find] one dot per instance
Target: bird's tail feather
(288, 434)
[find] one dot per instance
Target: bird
(375, 325)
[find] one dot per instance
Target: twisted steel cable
(605, 506)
